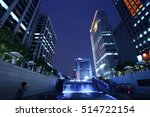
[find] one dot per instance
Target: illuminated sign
(95, 26)
(133, 5)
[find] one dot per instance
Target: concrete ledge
(11, 77)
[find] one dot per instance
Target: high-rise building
(103, 46)
(44, 40)
(135, 15)
(83, 69)
(18, 15)
(124, 44)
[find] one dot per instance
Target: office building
(135, 15)
(19, 15)
(103, 46)
(44, 40)
(83, 69)
(126, 50)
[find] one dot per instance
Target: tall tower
(135, 15)
(18, 15)
(44, 40)
(103, 46)
(83, 69)
(124, 44)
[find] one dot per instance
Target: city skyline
(72, 21)
(29, 37)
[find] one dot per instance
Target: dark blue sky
(71, 20)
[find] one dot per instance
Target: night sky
(71, 20)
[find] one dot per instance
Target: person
(21, 91)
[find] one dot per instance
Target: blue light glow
(82, 91)
(86, 87)
(110, 96)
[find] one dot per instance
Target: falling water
(79, 87)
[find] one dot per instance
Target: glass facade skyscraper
(44, 40)
(83, 69)
(135, 15)
(18, 15)
(103, 46)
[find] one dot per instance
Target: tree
(41, 63)
(10, 42)
(54, 72)
(6, 39)
(120, 66)
(44, 66)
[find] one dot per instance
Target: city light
(36, 33)
(102, 66)
(95, 26)
(3, 4)
(139, 57)
(14, 16)
(23, 26)
(86, 77)
(133, 6)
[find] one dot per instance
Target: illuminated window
(23, 26)
(14, 16)
(143, 8)
(36, 33)
(145, 32)
(133, 5)
(146, 13)
(36, 37)
(148, 4)
(3, 4)
(144, 42)
(135, 25)
(141, 35)
(142, 17)
(137, 10)
(139, 57)
(139, 13)
(140, 6)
